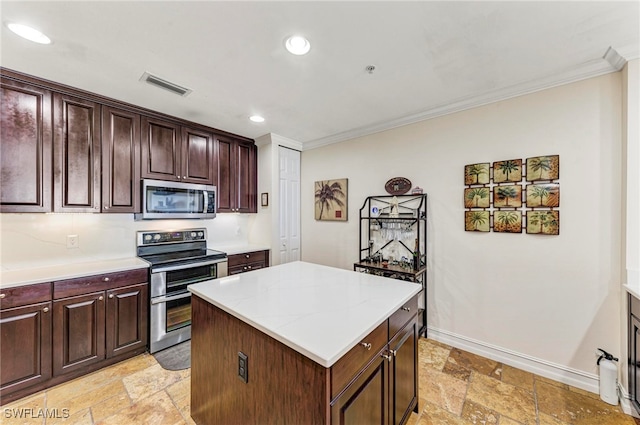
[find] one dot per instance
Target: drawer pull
(387, 357)
(2, 296)
(105, 279)
(249, 267)
(100, 298)
(246, 255)
(45, 310)
(366, 345)
(111, 296)
(406, 308)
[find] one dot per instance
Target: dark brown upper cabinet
(237, 175)
(76, 160)
(175, 153)
(25, 147)
(120, 161)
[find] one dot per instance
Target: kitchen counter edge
(21, 277)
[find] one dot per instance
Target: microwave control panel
(152, 238)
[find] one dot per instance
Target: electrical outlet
(243, 367)
(73, 242)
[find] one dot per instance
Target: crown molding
(272, 138)
(586, 70)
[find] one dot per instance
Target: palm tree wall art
(331, 200)
(493, 197)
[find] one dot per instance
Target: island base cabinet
(365, 401)
(283, 386)
(403, 379)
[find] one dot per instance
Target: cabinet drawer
(246, 258)
(403, 315)
(345, 369)
(23, 295)
(100, 282)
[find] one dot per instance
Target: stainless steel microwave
(176, 200)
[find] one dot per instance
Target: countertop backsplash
(40, 240)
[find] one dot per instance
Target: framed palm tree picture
(476, 197)
(331, 200)
(476, 221)
(543, 168)
(507, 171)
(476, 173)
(507, 221)
(543, 222)
(507, 196)
(543, 195)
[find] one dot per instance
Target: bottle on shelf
(416, 256)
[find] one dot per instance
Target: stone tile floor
(456, 388)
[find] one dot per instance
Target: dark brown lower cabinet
(78, 332)
(25, 347)
(54, 332)
(403, 379)
(365, 401)
(90, 328)
(127, 312)
(248, 261)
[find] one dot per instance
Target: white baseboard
(566, 375)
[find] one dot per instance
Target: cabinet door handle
(406, 308)
(100, 298)
(366, 345)
(249, 267)
(105, 279)
(111, 296)
(387, 357)
(2, 296)
(45, 310)
(106, 207)
(246, 255)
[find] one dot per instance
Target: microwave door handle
(162, 300)
(186, 266)
(206, 201)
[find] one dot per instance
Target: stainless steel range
(177, 259)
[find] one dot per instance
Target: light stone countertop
(11, 278)
(633, 289)
(232, 249)
(321, 312)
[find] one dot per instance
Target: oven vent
(164, 84)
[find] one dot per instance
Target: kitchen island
(302, 343)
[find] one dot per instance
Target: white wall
(544, 301)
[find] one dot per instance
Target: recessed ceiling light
(297, 45)
(29, 33)
(256, 118)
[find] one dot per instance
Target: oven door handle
(186, 266)
(163, 299)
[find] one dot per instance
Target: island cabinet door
(403, 378)
(366, 399)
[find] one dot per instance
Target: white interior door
(289, 227)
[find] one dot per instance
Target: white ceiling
(431, 57)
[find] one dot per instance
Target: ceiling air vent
(164, 84)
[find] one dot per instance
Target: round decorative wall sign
(398, 186)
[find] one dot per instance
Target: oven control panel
(162, 237)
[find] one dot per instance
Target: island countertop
(321, 312)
